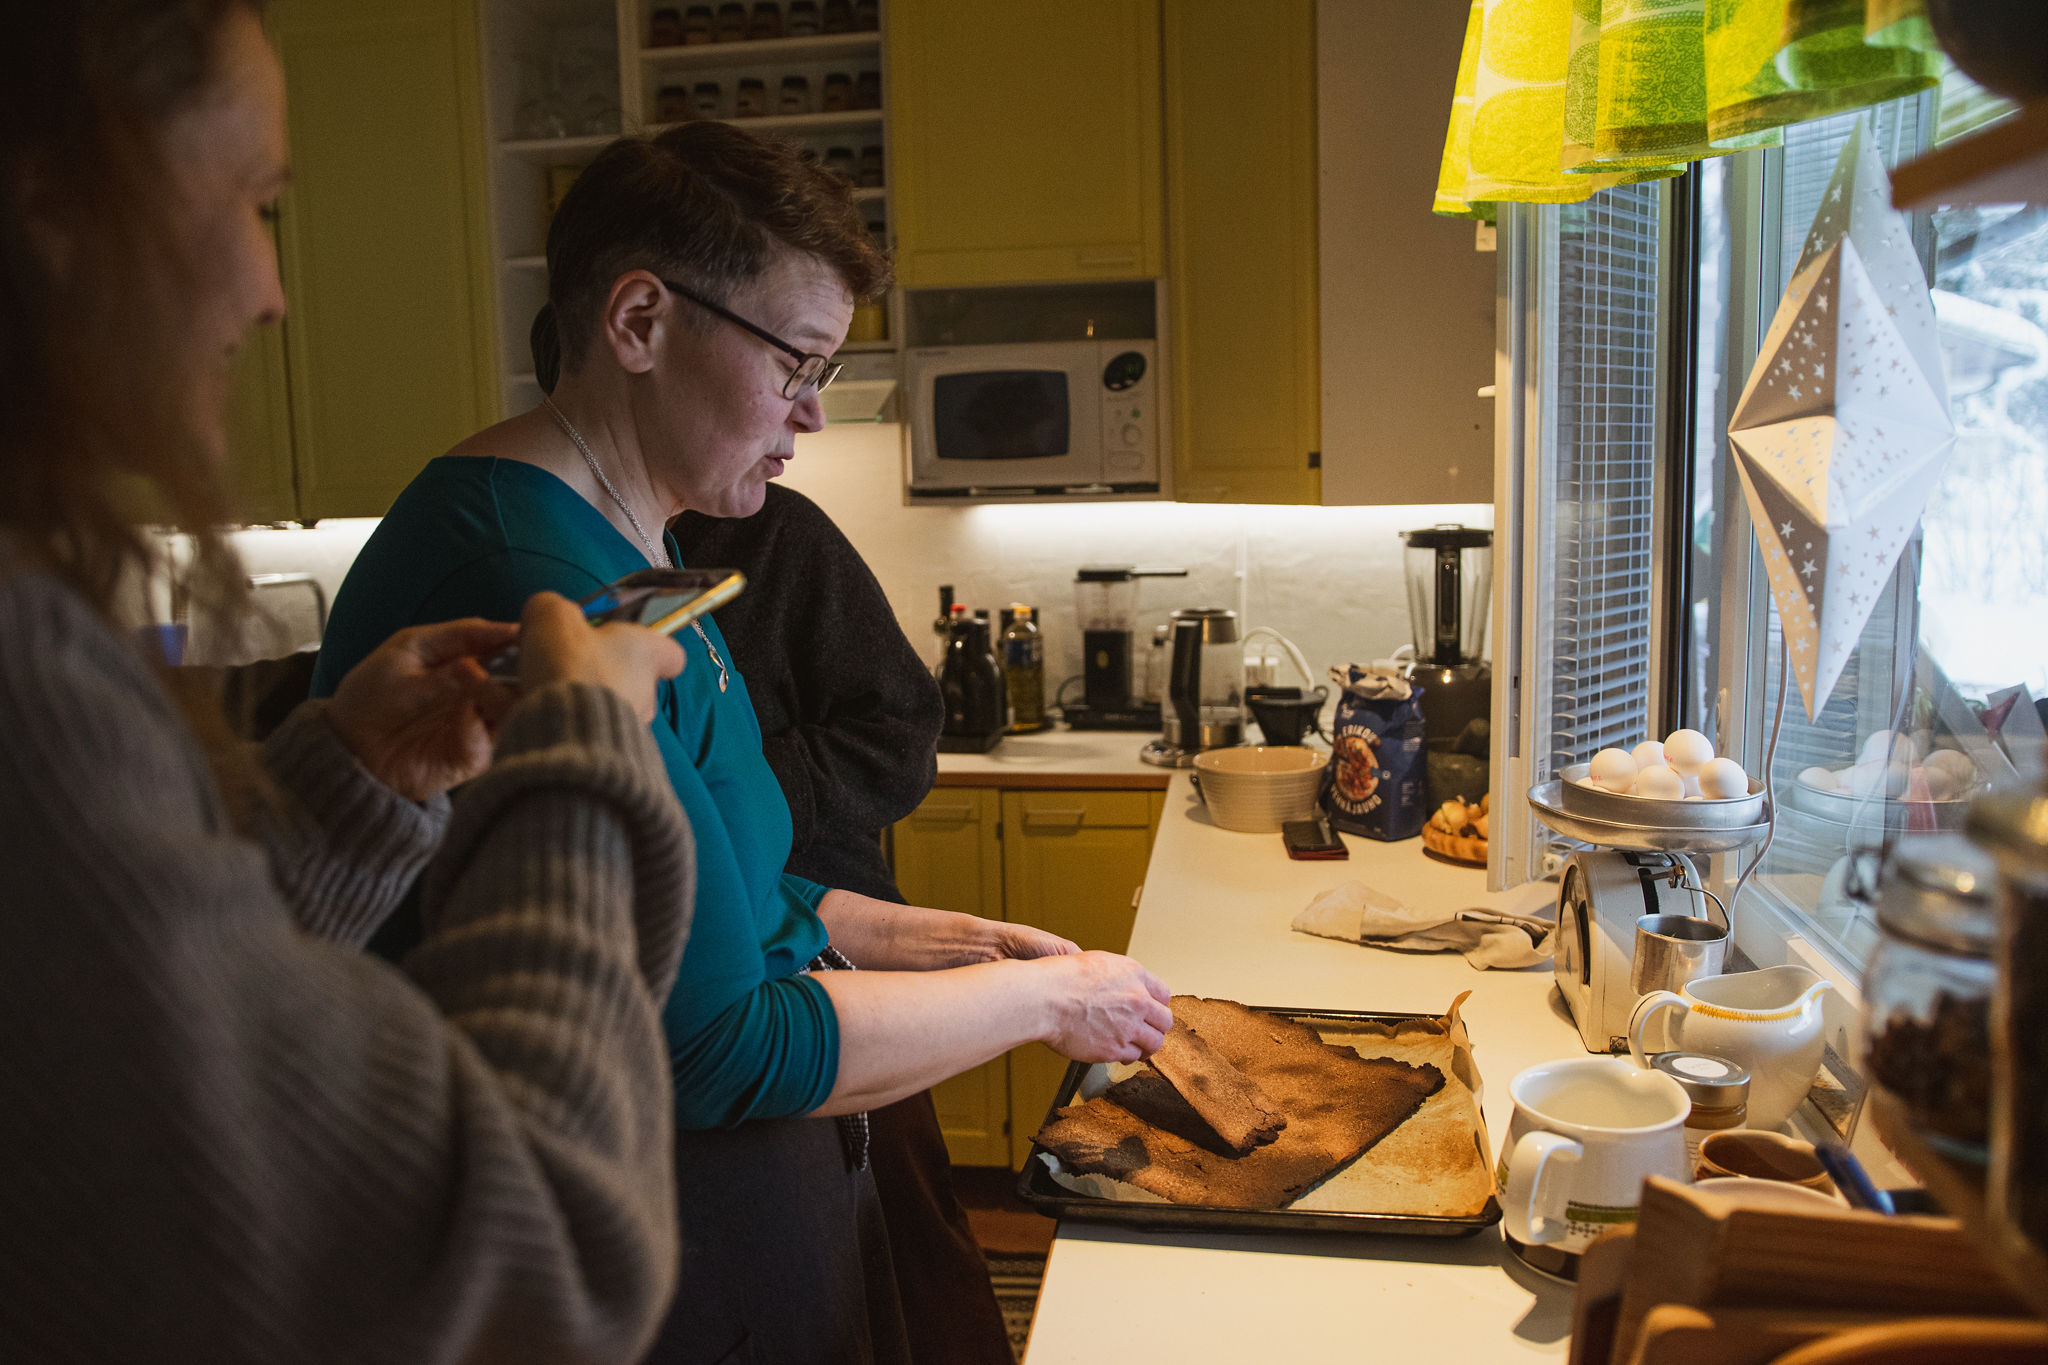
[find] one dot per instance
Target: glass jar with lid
(1927, 990)
(2014, 826)
(1718, 1089)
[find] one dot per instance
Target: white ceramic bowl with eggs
(1259, 787)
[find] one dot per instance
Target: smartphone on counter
(1313, 839)
(663, 600)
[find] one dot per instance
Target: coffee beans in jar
(1927, 991)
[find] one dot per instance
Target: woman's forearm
(883, 936)
(902, 1032)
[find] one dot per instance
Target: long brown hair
(89, 401)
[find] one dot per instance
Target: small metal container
(1718, 1089)
(1674, 950)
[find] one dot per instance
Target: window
(1954, 651)
(1952, 635)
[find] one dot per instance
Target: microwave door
(1009, 427)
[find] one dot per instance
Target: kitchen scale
(1625, 909)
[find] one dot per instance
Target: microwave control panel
(1129, 423)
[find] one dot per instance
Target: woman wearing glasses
(700, 281)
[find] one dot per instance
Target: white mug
(1770, 1021)
(1585, 1133)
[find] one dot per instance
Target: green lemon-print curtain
(1558, 98)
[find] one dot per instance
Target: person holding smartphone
(231, 1136)
(701, 280)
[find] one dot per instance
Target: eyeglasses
(812, 371)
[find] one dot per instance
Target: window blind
(1600, 474)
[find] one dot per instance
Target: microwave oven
(1034, 417)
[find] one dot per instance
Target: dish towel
(1357, 913)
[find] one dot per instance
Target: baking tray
(1057, 1201)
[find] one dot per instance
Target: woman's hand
(1024, 941)
(557, 645)
(419, 712)
(1106, 1008)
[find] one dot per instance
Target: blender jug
(1450, 589)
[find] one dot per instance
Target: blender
(1106, 609)
(1450, 588)
(1205, 689)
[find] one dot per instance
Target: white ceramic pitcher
(1770, 1021)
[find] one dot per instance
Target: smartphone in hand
(663, 600)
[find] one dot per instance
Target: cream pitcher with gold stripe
(1770, 1021)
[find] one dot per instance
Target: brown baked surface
(1227, 1100)
(1338, 1104)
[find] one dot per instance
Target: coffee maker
(1450, 588)
(1106, 609)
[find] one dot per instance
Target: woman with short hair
(701, 281)
(229, 1135)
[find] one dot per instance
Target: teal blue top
(749, 1036)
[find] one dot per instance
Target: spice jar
(867, 91)
(766, 22)
(838, 94)
(869, 176)
(751, 101)
(838, 17)
(795, 97)
(2014, 826)
(1718, 1089)
(803, 19)
(707, 98)
(732, 23)
(1927, 991)
(839, 161)
(867, 16)
(697, 25)
(672, 104)
(665, 28)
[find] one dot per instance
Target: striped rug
(1016, 1280)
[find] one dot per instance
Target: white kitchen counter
(1058, 758)
(1214, 921)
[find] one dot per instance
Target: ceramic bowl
(1257, 788)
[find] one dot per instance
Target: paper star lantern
(1843, 427)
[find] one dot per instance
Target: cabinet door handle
(936, 814)
(1055, 819)
(1137, 895)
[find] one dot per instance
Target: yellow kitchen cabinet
(948, 853)
(1024, 140)
(385, 358)
(1240, 89)
(1070, 862)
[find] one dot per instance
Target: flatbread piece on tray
(1227, 1100)
(1337, 1103)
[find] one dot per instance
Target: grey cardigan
(227, 1135)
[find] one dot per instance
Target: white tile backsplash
(1329, 578)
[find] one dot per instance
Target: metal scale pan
(1641, 825)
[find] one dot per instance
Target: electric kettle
(1204, 689)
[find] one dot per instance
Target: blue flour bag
(1378, 784)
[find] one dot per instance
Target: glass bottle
(942, 627)
(1024, 669)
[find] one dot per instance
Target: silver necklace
(656, 552)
